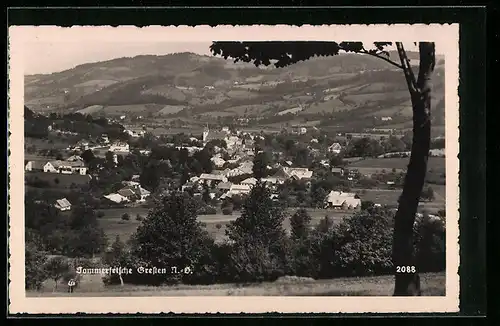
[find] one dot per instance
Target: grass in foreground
(433, 284)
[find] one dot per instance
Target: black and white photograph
(260, 162)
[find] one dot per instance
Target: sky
(49, 49)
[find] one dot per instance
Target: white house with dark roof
(65, 167)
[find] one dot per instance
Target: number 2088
(406, 269)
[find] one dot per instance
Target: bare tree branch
(408, 72)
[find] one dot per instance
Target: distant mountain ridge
(205, 86)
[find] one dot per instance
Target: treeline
(257, 248)
(37, 126)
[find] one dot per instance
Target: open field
(113, 225)
(170, 109)
(64, 180)
(397, 162)
(433, 284)
(390, 197)
(54, 142)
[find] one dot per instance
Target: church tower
(206, 131)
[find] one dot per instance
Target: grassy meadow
(433, 284)
(215, 224)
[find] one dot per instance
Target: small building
(116, 198)
(128, 193)
(63, 205)
(297, 173)
(338, 171)
(237, 190)
(335, 148)
(342, 200)
(34, 166)
(134, 193)
(249, 182)
(119, 147)
(210, 178)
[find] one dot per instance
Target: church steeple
(205, 133)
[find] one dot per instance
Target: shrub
(367, 204)
(430, 249)
(227, 210)
(218, 226)
(139, 217)
(125, 217)
(100, 214)
(208, 210)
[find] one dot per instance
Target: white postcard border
(446, 38)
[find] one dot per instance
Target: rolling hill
(199, 87)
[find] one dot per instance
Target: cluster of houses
(72, 165)
(101, 145)
(218, 180)
(131, 192)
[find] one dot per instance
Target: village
(232, 168)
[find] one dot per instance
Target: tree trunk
(121, 279)
(408, 284)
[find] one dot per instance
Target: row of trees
(257, 247)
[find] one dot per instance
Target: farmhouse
(335, 148)
(244, 168)
(295, 173)
(342, 200)
(116, 198)
(65, 167)
(63, 205)
(249, 182)
(236, 190)
(134, 192)
(119, 147)
(209, 179)
(34, 166)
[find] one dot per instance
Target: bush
(367, 204)
(207, 210)
(218, 226)
(429, 242)
(125, 217)
(139, 217)
(227, 211)
(100, 214)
